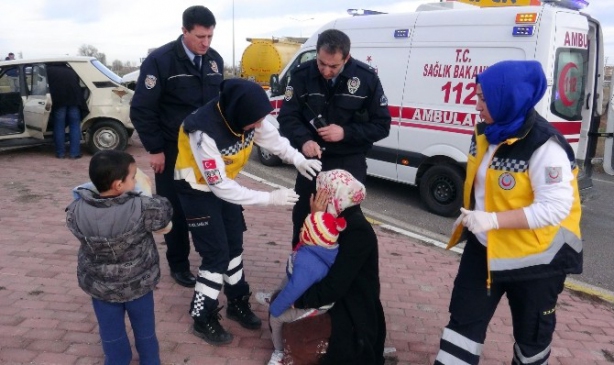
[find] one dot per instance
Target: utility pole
(233, 39)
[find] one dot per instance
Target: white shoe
(263, 298)
(277, 358)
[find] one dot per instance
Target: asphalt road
(399, 205)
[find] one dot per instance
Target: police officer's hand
(331, 133)
(311, 149)
(156, 162)
(283, 197)
(478, 221)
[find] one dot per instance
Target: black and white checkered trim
(473, 148)
(509, 164)
(234, 149)
(198, 304)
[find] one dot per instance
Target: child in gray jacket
(118, 262)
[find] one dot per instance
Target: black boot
(209, 328)
(239, 310)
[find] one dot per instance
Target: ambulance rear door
(608, 163)
(575, 99)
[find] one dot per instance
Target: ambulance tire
(267, 158)
(441, 189)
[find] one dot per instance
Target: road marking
(571, 284)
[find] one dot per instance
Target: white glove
(478, 221)
(309, 168)
(283, 197)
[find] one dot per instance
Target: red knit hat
(322, 229)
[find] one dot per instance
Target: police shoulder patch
(150, 81)
(289, 93)
(383, 101)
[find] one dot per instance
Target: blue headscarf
(511, 89)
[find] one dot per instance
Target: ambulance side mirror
(274, 85)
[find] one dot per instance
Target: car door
(37, 106)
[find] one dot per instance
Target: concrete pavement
(45, 318)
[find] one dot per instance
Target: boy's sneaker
(277, 358)
(210, 329)
(263, 298)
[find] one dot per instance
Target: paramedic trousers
(217, 232)
(532, 304)
(178, 239)
(112, 328)
(355, 164)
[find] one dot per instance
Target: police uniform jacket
(356, 103)
(522, 254)
(169, 88)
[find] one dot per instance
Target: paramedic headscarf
(344, 190)
(511, 89)
(242, 103)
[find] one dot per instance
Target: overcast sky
(125, 29)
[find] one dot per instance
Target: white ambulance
(428, 61)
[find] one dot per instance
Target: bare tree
(91, 51)
(117, 66)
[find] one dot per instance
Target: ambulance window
(569, 79)
(309, 55)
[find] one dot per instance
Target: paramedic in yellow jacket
(521, 217)
(214, 144)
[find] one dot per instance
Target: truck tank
(267, 56)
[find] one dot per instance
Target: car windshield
(108, 73)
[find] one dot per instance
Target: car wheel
(267, 158)
(106, 135)
(441, 189)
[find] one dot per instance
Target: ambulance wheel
(441, 189)
(267, 158)
(106, 135)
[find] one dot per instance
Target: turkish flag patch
(209, 164)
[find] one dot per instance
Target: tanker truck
(267, 56)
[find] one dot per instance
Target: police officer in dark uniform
(334, 109)
(175, 80)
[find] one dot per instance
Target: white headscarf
(344, 190)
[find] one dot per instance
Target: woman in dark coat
(358, 323)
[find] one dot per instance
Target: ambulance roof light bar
(569, 4)
(359, 12)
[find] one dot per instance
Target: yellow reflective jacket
(520, 254)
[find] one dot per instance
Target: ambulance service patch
(213, 177)
(554, 175)
(353, 85)
(507, 181)
(213, 65)
(150, 81)
(289, 93)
